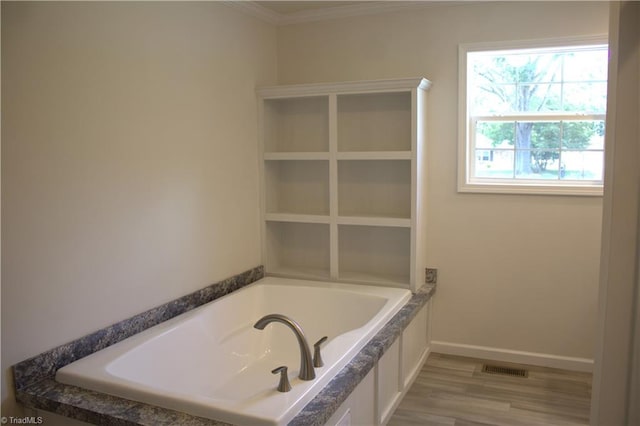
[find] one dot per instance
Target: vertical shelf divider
(333, 185)
(262, 193)
(414, 184)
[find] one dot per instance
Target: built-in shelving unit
(343, 181)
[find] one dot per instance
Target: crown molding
(254, 9)
(314, 89)
(335, 12)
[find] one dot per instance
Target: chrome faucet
(306, 362)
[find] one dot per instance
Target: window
(532, 117)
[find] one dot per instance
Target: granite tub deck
(36, 387)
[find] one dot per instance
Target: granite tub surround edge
(322, 407)
(103, 409)
(41, 391)
(45, 365)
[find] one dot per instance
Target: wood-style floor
(452, 390)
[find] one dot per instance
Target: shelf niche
(297, 249)
(374, 188)
(374, 254)
(374, 122)
(298, 187)
(296, 124)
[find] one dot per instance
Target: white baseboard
(519, 357)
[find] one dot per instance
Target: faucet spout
(306, 363)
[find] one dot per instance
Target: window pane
(545, 163)
(486, 67)
(492, 98)
(495, 134)
(542, 97)
(583, 135)
(525, 68)
(538, 135)
(510, 82)
(585, 97)
(582, 165)
(589, 65)
(494, 163)
(545, 135)
(537, 164)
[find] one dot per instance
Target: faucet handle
(284, 385)
(317, 359)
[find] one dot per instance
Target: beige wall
(516, 273)
(129, 161)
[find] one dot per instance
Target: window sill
(531, 189)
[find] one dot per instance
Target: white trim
(374, 155)
(542, 43)
(465, 182)
(463, 118)
(346, 87)
(328, 13)
(297, 156)
(298, 218)
(413, 375)
(404, 386)
(374, 221)
(505, 188)
(536, 117)
(254, 9)
(508, 355)
(362, 9)
(616, 380)
(334, 246)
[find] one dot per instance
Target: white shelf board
(374, 155)
(302, 273)
(296, 156)
(374, 221)
(298, 218)
(368, 278)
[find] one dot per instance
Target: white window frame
(466, 154)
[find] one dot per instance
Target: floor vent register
(504, 371)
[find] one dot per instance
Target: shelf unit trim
(343, 88)
(297, 218)
(416, 142)
(333, 186)
(300, 273)
(358, 277)
(297, 155)
(374, 221)
(374, 155)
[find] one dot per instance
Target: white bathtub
(211, 362)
